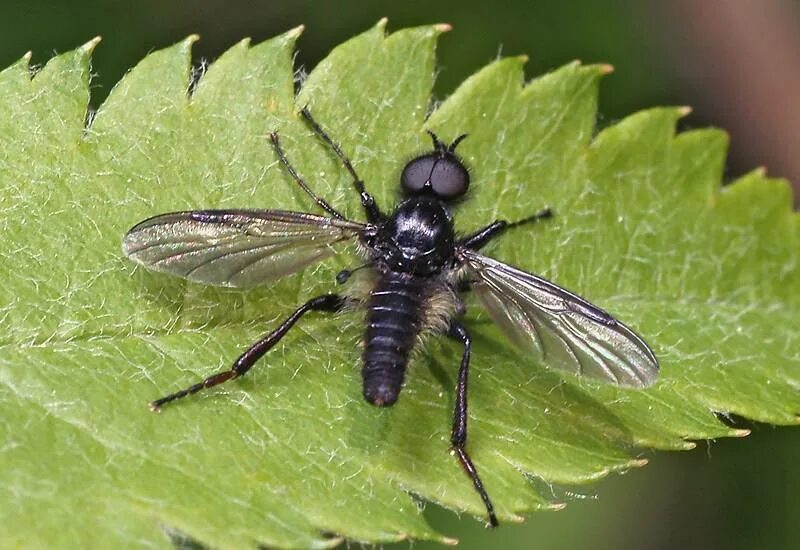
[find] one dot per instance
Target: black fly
(420, 268)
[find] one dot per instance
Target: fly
(421, 269)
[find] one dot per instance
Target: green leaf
(291, 455)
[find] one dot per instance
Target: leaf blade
(291, 452)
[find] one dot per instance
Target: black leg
(326, 302)
(477, 240)
(458, 332)
(367, 201)
(319, 200)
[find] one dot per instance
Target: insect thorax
(417, 238)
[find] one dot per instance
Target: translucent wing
(235, 248)
(568, 331)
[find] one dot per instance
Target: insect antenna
(440, 146)
(437, 143)
(455, 143)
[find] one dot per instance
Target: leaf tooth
(499, 79)
(507, 70)
(16, 76)
(698, 157)
(656, 125)
(289, 38)
(295, 32)
(757, 185)
(89, 47)
(247, 66)
(189, 41)
(766, 205)
(600, 68)
(59, 93)
(159, 83)
(570, 77)
(373, 50)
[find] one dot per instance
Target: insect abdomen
(393, 323)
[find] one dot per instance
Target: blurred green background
(736, 62)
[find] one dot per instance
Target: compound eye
(417, 172)
(449, 178)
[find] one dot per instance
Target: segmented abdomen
(393, 323)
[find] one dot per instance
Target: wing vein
(570, 332)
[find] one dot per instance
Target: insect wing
(235, 248)
(568, 331)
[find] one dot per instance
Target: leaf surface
(291, 455)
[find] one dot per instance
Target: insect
(420, 269)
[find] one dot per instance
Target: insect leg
(319, 200)
(477, 240)
(367, 201)
(326, 302)
(458, 332)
